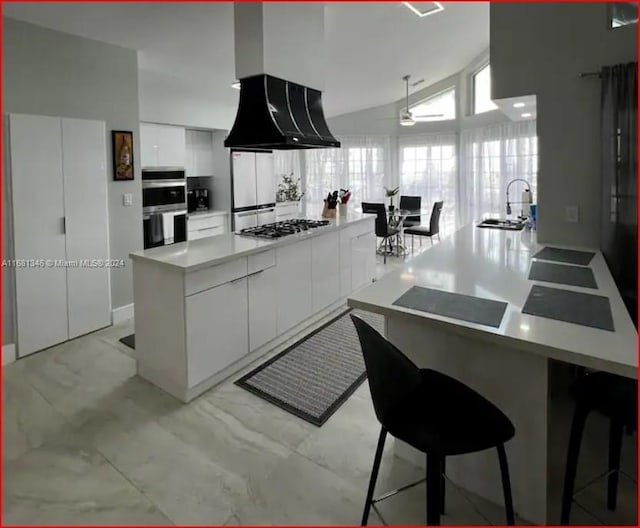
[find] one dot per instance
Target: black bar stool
(433, 413)
(615, 397)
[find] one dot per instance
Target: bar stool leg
(577, 428)
(374, 476)
(506, 485)
(615, 447)
(434, 465)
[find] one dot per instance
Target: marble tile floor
(86, 441)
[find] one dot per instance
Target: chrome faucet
(509, 186)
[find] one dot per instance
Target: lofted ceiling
(369, 45)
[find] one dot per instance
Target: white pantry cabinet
(60, 217)
(162, 145)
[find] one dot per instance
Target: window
(491, 158)
(482, 91)
(428, 169)
(440, 107)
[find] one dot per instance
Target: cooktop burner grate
(283, 228)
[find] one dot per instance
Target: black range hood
(279, 115)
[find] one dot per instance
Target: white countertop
(494, 264)
(204, 252)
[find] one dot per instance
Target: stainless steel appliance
(164, 206)
(284, 228)
(253, 189)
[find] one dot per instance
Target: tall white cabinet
(60, 218)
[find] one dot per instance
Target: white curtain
(287, 163)
(428, 168)
(490, 158)
(362, 165)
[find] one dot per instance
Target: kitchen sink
(497, 223)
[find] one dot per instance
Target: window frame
(472, 84)
(453, 88)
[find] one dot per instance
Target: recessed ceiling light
(423, 9)
(518, 105)
(236, 85)
(526, 114)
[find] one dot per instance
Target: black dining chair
(431, 412)
(411, 203)
(383, 230)
(615, 397)
(430, 231)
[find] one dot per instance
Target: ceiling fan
(406, 117)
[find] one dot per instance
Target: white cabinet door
(345, 262)
(172, 146)
(244, 179)
(294, 284)
(262, 314)
(217, 329)
(190, 160)
(265, 179)
(149, 147)
(87, 231)
(362, 266)
(38, 211)
(325, 266)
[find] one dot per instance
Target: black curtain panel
(619, 107)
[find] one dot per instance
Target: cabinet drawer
(261, 261)
(206, 278)
(202, 233)
(196, 223)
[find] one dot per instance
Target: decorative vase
(342, 210)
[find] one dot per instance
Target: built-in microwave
(164, 206)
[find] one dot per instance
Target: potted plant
(390, 193)
(289, 189)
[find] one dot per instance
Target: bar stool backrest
(392, 375)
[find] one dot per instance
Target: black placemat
(568, 256)
(455, 305)
(569, 306)
(562, 274)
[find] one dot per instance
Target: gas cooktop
(284, 228)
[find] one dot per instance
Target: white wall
(172, 101)
(540, 49)
(52, 73)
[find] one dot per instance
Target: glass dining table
(396, 219)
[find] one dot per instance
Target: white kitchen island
(511, 364)
(205, 309)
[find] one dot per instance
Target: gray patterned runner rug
(316, 375)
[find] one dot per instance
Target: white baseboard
(8, 353)
(122, 313)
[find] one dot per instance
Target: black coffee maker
(198, 200)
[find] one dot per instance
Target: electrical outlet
(127, 199)
(571, 214)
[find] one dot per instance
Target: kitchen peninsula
(510, 363)
(204, 309)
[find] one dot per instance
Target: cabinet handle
(255, 273)
(64, 225)
(238, 280)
